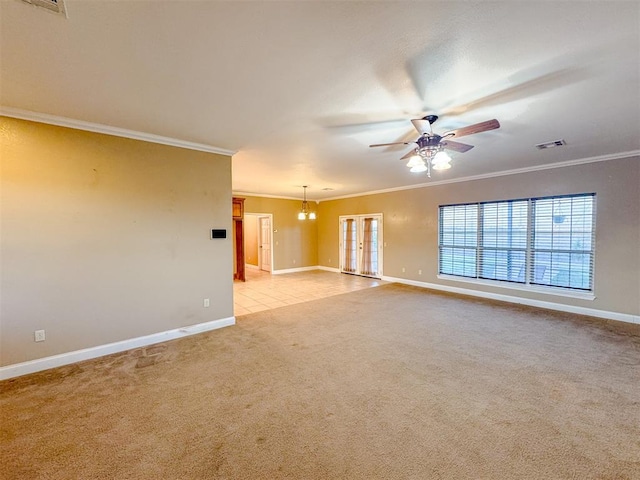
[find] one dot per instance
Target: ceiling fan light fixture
(429, 154)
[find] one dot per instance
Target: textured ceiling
(300, 89)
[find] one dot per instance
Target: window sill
(556, 291)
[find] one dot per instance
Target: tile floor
(263, 291)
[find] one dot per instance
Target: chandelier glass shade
(415, 160)
(441, 161)
(420, 167)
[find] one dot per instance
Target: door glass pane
(350, 246)
(370, 246)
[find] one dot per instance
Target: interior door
(361, 245)
(265, 244)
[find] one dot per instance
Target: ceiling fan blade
(409, 155)
(362, 121)
(475, 128)
(527, 84)
(456, 146)
(389, 144)
(422, 125)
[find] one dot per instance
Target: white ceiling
(294, 86)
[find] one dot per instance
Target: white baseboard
(621, 317)
(46, 363)
(328, 269)
(306, 269)
(294, 270)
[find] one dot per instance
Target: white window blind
(459, 240)
(540, 241)
(563, 241)
(503, 240)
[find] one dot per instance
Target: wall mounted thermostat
(218, 233)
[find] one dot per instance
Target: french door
(361, 245)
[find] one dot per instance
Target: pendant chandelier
(305, 211)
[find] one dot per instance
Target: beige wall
(250, 225)
(411, 226)
(105, 239)
(295, 242)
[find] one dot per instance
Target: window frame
(529, 284)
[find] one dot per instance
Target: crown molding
(264, 195)
(515, 171)
(109, 130)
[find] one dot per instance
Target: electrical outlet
(385, 244)
(39, 336)
(419, 272)
(294, 262)
(206, 302)
(404, 269)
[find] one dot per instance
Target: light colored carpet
(392, 382)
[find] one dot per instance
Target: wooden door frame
(239, 239)
(238, 229)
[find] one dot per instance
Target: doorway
(258, 241)
(238, 239)
(361, 245)
(264, 243)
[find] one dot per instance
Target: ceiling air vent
(555, 143)
(55, 6)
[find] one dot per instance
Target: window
(539, 241)
(562, 241)
(503, 240)
(458, 240)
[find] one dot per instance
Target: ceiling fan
(429, 151)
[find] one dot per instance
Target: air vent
(556, 143)
(55, 6)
